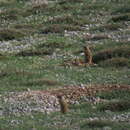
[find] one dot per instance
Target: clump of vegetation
(36, 52)
(54, 28)
(121, 51)
(3, 74)
(11, 14)
(2, 57)
(57, 28)
(122, 10)
(103, 124)
(36, 9)
(62, 19)
(10, 34)
(69, 1)
(96, 37)
(121, 105)
(26, 28)
(41, 82)
(121, 17)
(68, 19)
(98, 123)
(115, 94)
(39, 2)
(109, 27)
(5, 3)
(116, 62)
(53, 44)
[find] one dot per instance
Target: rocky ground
(40, 42)
(17, 103)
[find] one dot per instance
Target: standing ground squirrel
(63, 104)
(88, 55)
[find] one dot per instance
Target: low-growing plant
(116, 62)
(122, 10)
(41, 82)
(122, 17)
(59, 28)
(115, 106)
(99, 123)
(37, 52)
(96, 37)
(121, 51)
(11, 14)
(69, 1)
(115, 94)
(10, 34)
(109, 27)
(68, 19)
(38, 8)
(5, 3)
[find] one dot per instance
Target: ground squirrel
(88, 55)
(63, 104)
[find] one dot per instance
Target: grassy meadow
(38, 44)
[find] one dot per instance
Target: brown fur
(88, 55)
(63, 104)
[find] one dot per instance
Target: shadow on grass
(115, 62)
(121, 51)
(115, 106)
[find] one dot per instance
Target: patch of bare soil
(76, 92)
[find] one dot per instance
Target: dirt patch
(75, 92)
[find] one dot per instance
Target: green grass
(10, 34)
(99, 124)
(122, 105)
(39, 65)
(76, 116)
(116, 94)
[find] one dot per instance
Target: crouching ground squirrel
(63, 104)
